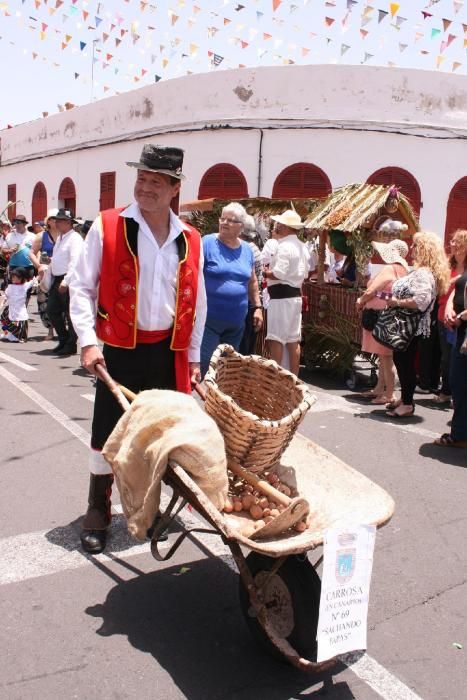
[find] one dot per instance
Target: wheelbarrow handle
(116, 390)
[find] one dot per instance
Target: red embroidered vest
(116, 321)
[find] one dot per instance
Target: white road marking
(54, 412)
(42, 553)
(89, 397)
(378, 678)
(18, 363)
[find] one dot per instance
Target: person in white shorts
(285, 276)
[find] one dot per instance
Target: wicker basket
(257, 405)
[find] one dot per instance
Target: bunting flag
(80, 36)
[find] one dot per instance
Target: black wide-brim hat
(167, 160)
(64, 215)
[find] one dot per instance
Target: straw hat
(289, 218)
(393, 252)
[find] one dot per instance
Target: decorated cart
(363, 213)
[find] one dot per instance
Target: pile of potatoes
(244, 497)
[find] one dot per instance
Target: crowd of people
(161, 299)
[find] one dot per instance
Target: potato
(259, 524)
(248, 529)
(272, 505)
(266, 512)
(285, 490)
(274, 512)
(256, 511)
(273, 478)
(268, 519)
(263, 502)
(228, 506)
(237, 506)
(300, 526)
(247, 501)
(249, 488)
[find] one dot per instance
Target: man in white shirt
(17, 245)
(66, 253)
(288, 269)
(139, 287)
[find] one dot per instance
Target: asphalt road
(122, 625)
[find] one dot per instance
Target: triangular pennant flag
(104, 36)
(457, 7)
(443, 46)
(329, 21)
(244, 44)
(143, 72)
(364, 33)
(418, 36)
(381, 15)
(97, 21)
(82, 44)
(267, 36)
(157, 78)
(44, 26)
(365, 20)
(400, 20)
(196, 9)
(439, 61)
(64, 45)
(106, 88)
(58, 4)
(68, 38)
(108, 56)
(193, 49)
(259, 15)
(217, 59)
(42, 35)
(85, 15)
(344, 48)
(446, 24)
(118, 42)
(456, 65)
(451, 38)
(464, 27)
(51, 10)
(426, 14)
(367, 57)
(76, 75)
(226, 21)
(275, 4)
(402, 47)
(305, 51)
(165, 62)
(435, 33)
(394, 6)
(34, 55)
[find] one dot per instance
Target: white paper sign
(345, 590)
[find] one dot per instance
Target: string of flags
(111, 48)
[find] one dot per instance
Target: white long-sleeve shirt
(67, 250)
(157, 282)
(290, 263)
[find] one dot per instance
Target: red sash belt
(182, 370)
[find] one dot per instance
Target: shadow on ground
(192, 625)
(456, 457)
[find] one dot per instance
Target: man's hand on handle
(195, 372)
(91, 355)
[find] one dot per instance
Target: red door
(223, 181)
(301, 180)
(67, 195)
(456, 216)
(39, 203)
(107, 191)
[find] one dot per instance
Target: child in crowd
(14, 318)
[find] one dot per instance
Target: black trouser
(405, 366)
(248, 342)
(148, 366)
(429, 350)
(58, 311)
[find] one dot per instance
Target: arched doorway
(301, 180)
(67, 195)
(223, 181)
(404, 180)
(456, 214)
(39, 203)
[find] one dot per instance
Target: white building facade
(292, 131)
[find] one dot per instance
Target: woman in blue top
(229, 275)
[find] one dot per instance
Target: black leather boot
(98, 516)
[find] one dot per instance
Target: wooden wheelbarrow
(279, 586)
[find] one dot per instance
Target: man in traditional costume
(285, 275)
(139, 288)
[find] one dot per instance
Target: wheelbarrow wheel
(291, 597)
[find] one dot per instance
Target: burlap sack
(162, 426)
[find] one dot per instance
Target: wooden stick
(126, 392)
(112, 385)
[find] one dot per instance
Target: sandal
(441, 399)
(368, 394)
(446, 440)
(394, 414)
(394, 403)
(381, 400)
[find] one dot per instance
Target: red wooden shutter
(107, 191)
(301, 180)
(223, 181)
(457, 210)
(67, 195)
(406, 182)
(11, 197)
(39, 203)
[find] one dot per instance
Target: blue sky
(58, 51)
